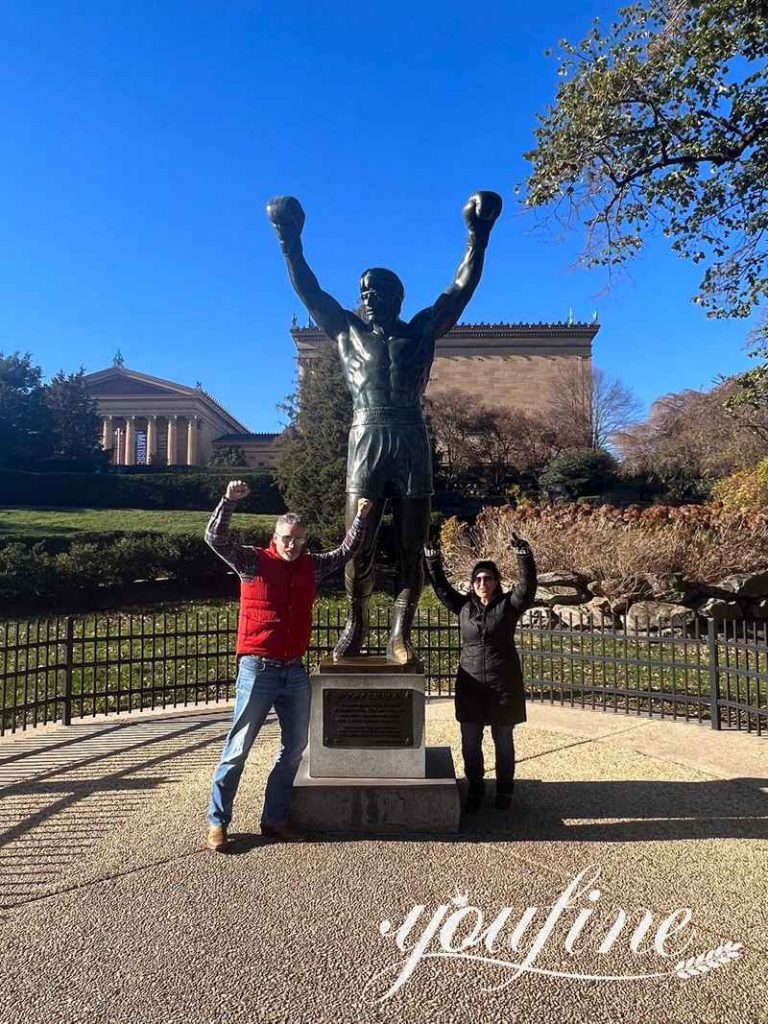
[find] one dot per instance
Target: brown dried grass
(701, 542)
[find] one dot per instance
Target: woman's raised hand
(520, 546)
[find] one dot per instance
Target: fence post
(69, 638)
(714, 673)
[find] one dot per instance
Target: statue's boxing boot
(355, 628)
(399, 648)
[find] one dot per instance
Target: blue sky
(141, 142)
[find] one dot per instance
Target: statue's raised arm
(481, 212)
(287, 216)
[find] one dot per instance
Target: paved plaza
(113, 911)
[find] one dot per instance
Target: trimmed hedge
(48, 570)
(195, 491)
(34, 569)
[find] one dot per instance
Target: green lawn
(68, 522)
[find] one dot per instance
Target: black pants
(472, 752)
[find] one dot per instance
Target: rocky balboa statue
(386, 363)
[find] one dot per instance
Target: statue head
(381, 294)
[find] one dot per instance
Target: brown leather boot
(217, 838)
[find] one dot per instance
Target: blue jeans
(260, 686)
(472, 752)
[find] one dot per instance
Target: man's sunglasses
(288, 542)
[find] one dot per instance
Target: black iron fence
(57, 669)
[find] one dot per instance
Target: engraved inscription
(367, 718)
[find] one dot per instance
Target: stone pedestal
(367, 768)
(367, 724)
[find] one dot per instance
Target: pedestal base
(430, 804)
(378, 730)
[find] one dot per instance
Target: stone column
(171, 447)
(130, 440)
(107, 433)
(192, 428)
(119, 446)
(151, 440)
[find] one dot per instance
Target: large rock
(658, 616)
(757, 610)
(539, 618)
(560, 595)
(602, 612)
(635, 587)
(745, 584)
(574, 616)
(562, 578)
(719, 610)
(585, 616)
(561, 587)
(670, 587)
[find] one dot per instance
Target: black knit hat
(488, 566)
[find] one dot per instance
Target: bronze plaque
(367, 718)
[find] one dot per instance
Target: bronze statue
(386, 364)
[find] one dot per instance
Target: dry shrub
(701, 542)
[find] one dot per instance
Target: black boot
(474, 798)
(355, 629)
(504, 796)
(399, 648)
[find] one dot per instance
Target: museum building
(501, 365)
(149, 420)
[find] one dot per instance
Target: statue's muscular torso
(385, 371)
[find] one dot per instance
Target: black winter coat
(489, 684)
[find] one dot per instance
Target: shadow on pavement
(600, 812)
(61, 798)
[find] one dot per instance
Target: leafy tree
(312, 451)
(26, 429)
(76, 421)
(748, 397)
(577, 473)
(231, 455)
(663, 120)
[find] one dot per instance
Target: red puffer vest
(276, 608)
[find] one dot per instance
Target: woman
(489, 684)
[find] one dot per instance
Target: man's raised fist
(481, 211)
(286, 214)
(237, 489)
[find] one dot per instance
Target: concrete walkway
(112, 911)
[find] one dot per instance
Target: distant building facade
(147, 420)
(503, 365)
(150, 421)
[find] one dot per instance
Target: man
(277, 590)
(386, 364)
